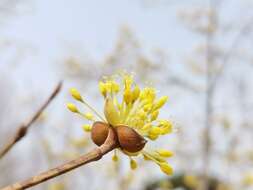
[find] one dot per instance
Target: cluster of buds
(133, 113)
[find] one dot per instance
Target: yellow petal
(111, 113)
(127, 96)
(102, 88)
(136, 93)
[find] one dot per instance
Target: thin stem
(94, 155)
(209, 95)
(92, 109)
(225, 59)
(22, 130)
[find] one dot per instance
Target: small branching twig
(94, 155)
(22, 130)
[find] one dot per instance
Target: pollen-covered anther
(161, 102)
(72, 108)
(102, 88)
(115, 158)
(166, 168)
(99, 132)
(129, 139)
(87, 128)
(75, 94)
(165, 153)
(133, 164)
(88, 116)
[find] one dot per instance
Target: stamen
(115, 156)
(150, 157)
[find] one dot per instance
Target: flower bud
(115, 158)
(161, 102)
(88, 116)
(129, 139)
(133, 164)
(87, 128)
(72, 108)
(102, 88)
(165, 153)
(99, 132)
(75, 94)
(136, 93)
(166, 168)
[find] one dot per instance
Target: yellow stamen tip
(75, 94)
(166, 168)
(165, 153)
(115, 158)
(160, 103)
(133, 164)
(102, 88)
(89, 116)
(87, 128)
(72, 108)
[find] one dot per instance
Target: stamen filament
(93, 110)
(150, 157)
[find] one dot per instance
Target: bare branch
(184, 84)
(22, 130)
(94, 155)
(225, 59)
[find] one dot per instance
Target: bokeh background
(198, 52)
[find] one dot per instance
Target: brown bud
(99, 132)
(129, 139)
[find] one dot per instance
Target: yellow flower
(126, 104)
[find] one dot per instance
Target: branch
(22, 130)
(184, 84)
(94, 155)
(225, 60)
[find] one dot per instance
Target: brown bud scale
(129, 139)
(99, 132)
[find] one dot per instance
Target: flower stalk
(94, 155)
(22, 130)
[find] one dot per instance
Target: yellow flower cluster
(138, 108)
(134, 107)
